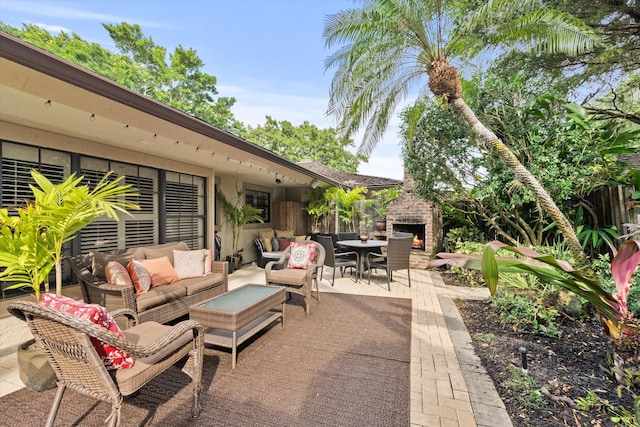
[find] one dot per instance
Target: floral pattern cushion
(301, 256)
(139, 276)
(112, 357)
(189, 263)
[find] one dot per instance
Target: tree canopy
(305, 142)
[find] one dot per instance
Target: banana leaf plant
(31, 241)
(618, 322)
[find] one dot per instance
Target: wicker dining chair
(296, 280)
(340, 260)
(68, 346)
(396, 258)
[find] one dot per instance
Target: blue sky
(268, 54)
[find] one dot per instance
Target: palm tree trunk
(491, 141)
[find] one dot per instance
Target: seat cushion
(288, 276)
(130, 380)
(159, 295)
(112, 357)
(194, 285)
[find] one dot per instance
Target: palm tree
(388, 46)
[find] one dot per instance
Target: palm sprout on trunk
(387, 46)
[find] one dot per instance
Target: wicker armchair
(298, 281)
(67, 342)
(396, 258)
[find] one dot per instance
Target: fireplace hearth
(418, 231)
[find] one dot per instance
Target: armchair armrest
(131, 316)
(283, 258)
(222, 267)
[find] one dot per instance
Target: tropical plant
(618, 322)
(381, 199)
(387, 46)
(32, 240)
(348, 204)
(237, 214)
(319, 207)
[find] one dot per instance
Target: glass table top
(239, 298)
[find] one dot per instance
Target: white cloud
(51, 10)
(54, 28)
(252, 106)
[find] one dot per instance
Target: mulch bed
(567, 367)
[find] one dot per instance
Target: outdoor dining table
(363, 248)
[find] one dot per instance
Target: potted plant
(32, 241)
(319, 207)
(380, 202)
(365, 224)
(236, 214)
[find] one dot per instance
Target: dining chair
(340, 260)
(68, 342)
(348, 236)
(396, 258)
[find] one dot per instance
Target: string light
(126, 127)
(47, 103)
(92, 117)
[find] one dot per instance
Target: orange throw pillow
(161, 271)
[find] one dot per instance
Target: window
(172, 205)
(185, 202)
(260, 200)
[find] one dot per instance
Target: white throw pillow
(189, 263)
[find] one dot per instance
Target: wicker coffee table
(237, 315)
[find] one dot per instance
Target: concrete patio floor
(449, 386)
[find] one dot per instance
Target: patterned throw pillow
(117, 274)
(112, 357)
(189, 263)
(301, 255)
(139, 276)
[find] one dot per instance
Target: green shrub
(527, 315)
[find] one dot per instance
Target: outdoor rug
(346, 364)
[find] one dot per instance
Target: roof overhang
(42, 91)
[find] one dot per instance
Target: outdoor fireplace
(411, 214)
(418, 231)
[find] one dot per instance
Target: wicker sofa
(161, 304)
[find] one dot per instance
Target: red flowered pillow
(301, 255)
(112, 357)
